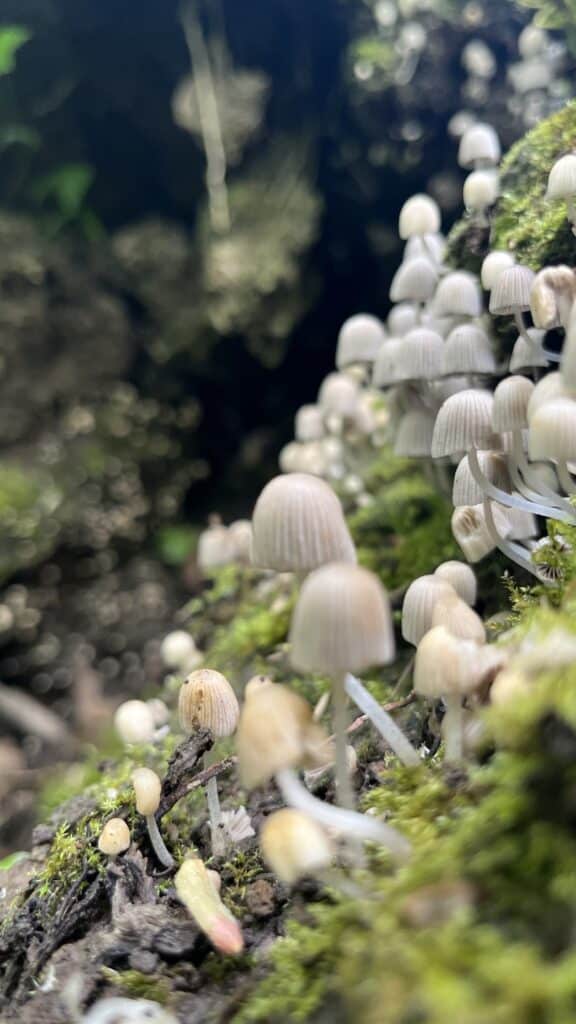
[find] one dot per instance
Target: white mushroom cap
(240, 533)
(562, 178)
(420, 215)
(414, 281)
(414, 435)
(418, 606)
(458, 294)
(459, 619)
(178, 650)
(528, 357)
(465, 490)
(420, 355)
(148, 788)
(532, 41)
(481, 190)
(471, 532)
(479, 146)
(493, 265)
(431, 247)
(298, 524)
(294, 846)
(289, 457)
(552, 297)
(553, 431)
(446, 665)
(511, 397)
(338, 394)
(464, 420)
(207, 701)
(134, 722)
(359, 339)
(309, 423)
(341, 622)
(511, 292)
(550, 387)
(114, 837)
(462, 577)
(215, 547)
(386, 367)
(530, 75)
(402, 318)
(468, 351)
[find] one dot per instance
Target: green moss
(256, 630)
(136, 985)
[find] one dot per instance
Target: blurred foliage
(65, 189)
(555, 14)
(12, 38)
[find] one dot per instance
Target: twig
(212, 772)
(395, 705)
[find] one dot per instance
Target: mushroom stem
(382, 721)
(520, 467)
(515, 552)
(158, 844)
(348, 823)
(522, 329)
(215, 815)
(512, 500)
(452, 729)
(344, 791)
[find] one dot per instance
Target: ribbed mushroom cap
(414, 281)
(114, 837)
(459, 619)
(359, 339)
(458, 294)
(420, 215)
(468, 350)
(298, 524)
(215, 547)
(147, 788)
(207, 701)
(341, 621)
(471, 533)
(414, 435)
(420, 356)
(461, 577)
(528, 357)
(294, 846)
(479, 145)
(550, 387)
(446, 665)
(418, 606)
(511, 293)
(276, 731)
(309, 424)
(386, 367)
(553, 431)
(402, 318)
(552, 297)
(338, 394)
(494, 264)
(465, 490)
(562, 178)
(481, 190)
(511, 399)
(464, 420)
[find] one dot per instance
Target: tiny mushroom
(294, 845)
(147, 789)
(114, 837)
(134, 722)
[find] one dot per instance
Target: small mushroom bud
(134, 722)
(178, 651)
(294, 846)
(148, 788)
(198, 893)
(494, 264)
(114, 837)
(359, 340)
(419, 216)
(256, 683)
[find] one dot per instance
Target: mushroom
(551, 299)
(510, 296)
(215, 547)
(309, 424)
(134, 722)
(418, 606)
(240, 535)
(178, 651)
(414, 281)
(481, 190)
(402, 318)
(457, 616)
(148, 788)
(197, 891)
(294, 845)
(359, 340)
(493, 265)
(414, 435)
(528, 352)
(461, 577)
(562, 184)
(419, 216)
(479, 147)
(472, 533)
(207, 701)
(467, 351)
(114, 837)
(552, 435)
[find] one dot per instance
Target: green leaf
(12, 37)
(12, 859)
(67, 186)
(176, 543)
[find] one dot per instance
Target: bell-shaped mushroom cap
(386, 367)
(481, 190)
(550, 387)
(420, 356)
(402, 318)
(414, 281)
(465, 490)
(420, 215)
(341, 622)
(511, 399)
(359, 339)
(464, 420)
(298, 524)
(446, 665)
(511, 293)
(471, 532)
(134, 722)
(479, 146)
(528, 357)
(552, 297)
(240, 532)
(418, 606)
(458, 294)
(494, 264)
(468, 350)
(461, 577)
(294, 846)
(568, 363)
(338, 394)
(553, 431)
(276, 731)
(215, 546)
(207, 701)
(309, 424)
(114, 837)
(147, 788)
(459, 619)
(432, 247)
(414, 435)
(178, 650)
(562, 178)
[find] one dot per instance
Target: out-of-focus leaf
(176, 543)
(67, 186)
(18, 135)
(12, 37)
(12, 859)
